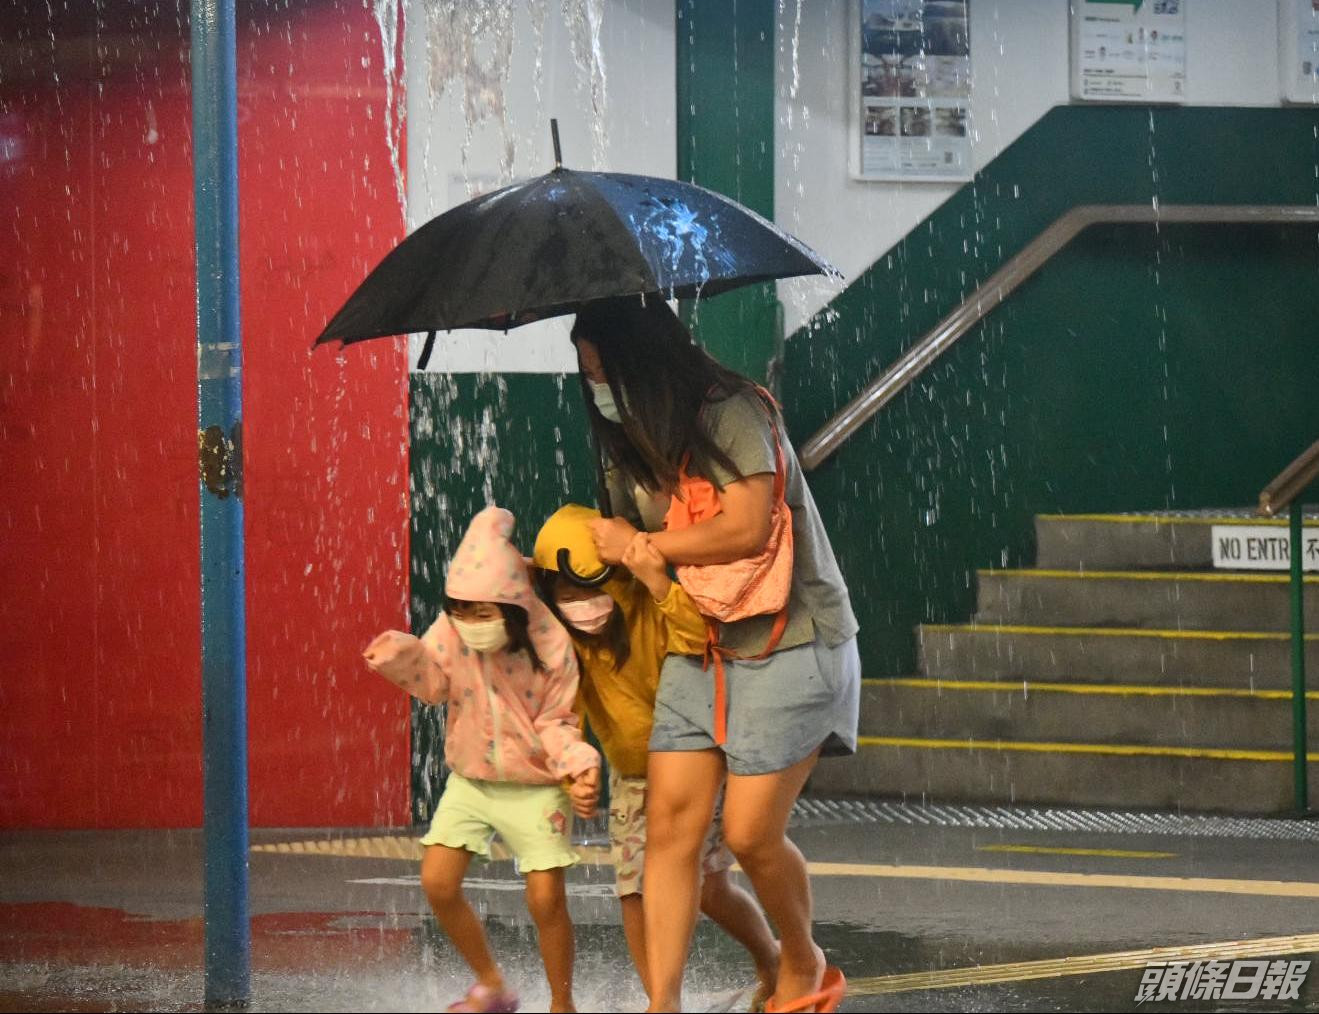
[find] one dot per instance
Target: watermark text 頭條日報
(1263, 979)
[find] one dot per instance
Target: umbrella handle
(566, 569)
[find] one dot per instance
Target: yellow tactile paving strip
(1049, 878)
(406, 847)
(393, 846)
(1085, 964)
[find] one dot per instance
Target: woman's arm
(739, 530)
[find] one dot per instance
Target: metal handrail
(1006, 279)
(1284, 492)
(1291, 481)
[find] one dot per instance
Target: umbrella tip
(554, 134)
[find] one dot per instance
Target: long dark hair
(660, 379)
(516, 622)
(614, 636)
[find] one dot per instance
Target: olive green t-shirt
(818, 602)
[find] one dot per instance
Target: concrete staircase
(1121, 671)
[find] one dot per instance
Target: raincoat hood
(487, 566)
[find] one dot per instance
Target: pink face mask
(588, 615)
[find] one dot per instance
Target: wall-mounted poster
(911, 90)
(1298, 50)
(1129, 50)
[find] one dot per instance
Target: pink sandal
(482, 999)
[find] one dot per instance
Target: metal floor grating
(811, 812)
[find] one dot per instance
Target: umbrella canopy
(544, 247)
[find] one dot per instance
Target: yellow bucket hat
(567, 529)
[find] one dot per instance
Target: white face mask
(588, 615)
(490, 635)
(604, 402)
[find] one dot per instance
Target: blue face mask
(604, 402)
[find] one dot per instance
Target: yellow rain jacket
(620, 704)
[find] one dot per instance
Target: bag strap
(717, 653)
(714, 651)
(770, 406)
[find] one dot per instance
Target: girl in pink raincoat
(507, 670)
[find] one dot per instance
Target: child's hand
(611, 537)
(387, 647)
(585, 793)
(648, 566)
(402, 659)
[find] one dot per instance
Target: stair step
(1075, 774)
(1064, 712)
(1247, 660)
(1178, 539)
(1216, 600)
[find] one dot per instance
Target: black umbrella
(547, 246)
(544, 247)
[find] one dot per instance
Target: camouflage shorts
(627, 835)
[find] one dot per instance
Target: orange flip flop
(833, 987)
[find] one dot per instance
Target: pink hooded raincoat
(507, 721)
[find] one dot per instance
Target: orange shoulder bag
(753, 586)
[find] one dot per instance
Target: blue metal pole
(219, 443)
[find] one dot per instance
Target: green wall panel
(1140, 369)
(725, 122)
(518, 440)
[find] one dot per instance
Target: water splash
(455, 31)
(389, 15)
(584, 19)
(679, 233)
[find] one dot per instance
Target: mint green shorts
(534, 821)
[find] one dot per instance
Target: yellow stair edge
(1024, 686)
(1165, 519)
(1092, 749)
(1182, 635)
(1202, 576)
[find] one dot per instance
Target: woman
(657, 403)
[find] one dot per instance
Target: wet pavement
(932, 917)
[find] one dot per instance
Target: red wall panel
(100, 691)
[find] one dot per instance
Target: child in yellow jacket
(622, 632)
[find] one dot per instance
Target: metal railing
(998, 286)
(1284, 493)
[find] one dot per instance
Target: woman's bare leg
(547, 901)
(681, 789)
(442, 872)
(634, 931)
(756, 811)
(737, 913)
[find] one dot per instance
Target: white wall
(628, 125)
(1019, 56)
(1020, 71)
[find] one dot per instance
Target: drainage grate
(811, 812)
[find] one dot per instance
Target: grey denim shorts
(779, 708)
